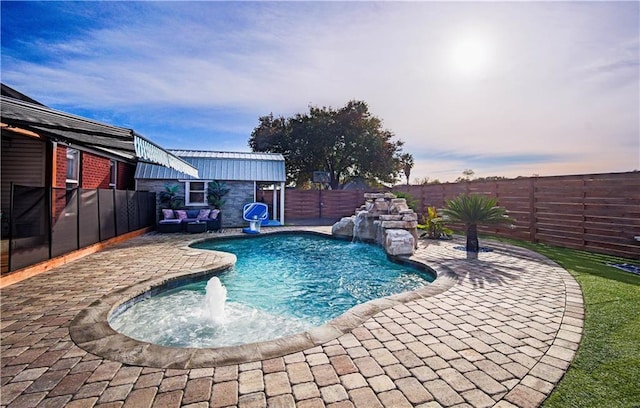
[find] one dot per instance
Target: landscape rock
(399, 242)
(381, 213)
(344, 227)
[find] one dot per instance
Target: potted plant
(472, 210)
(215, 193)
(170, 197)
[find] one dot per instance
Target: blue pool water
(281, 285)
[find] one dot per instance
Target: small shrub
(434, 225)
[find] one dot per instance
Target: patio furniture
(167, 226)
(177, 220)
(196, 227)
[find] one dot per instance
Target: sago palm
(472, 210)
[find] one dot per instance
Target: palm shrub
(216, 190)
(472, 210)
(170, 197)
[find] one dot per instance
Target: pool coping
(91, 331)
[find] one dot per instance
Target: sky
(502, 88)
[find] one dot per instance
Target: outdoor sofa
(178, 220)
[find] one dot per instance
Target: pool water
(282, 284)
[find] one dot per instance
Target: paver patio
(502, 334)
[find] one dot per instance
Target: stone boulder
(399, 242)
(364, 228)
(344, 227)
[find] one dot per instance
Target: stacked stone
(384, 219)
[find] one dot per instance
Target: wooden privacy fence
(595, 212)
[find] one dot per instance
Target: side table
(196, 227)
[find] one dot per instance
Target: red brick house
(65, 154)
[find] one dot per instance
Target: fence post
(532, 210)
(98, 223)
(11, 212)
(50, 218)
(128, 214)
(78, 218)
(136, 194)
(115, 212)
(583, 211)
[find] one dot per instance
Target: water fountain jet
(214, 300)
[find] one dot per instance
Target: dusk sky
(502, 88)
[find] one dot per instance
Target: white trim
(255, 191)
(187, 193)
(282, 203)
(115, 163)
(76, 164)
(274, 200)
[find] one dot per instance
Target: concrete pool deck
(500, 331)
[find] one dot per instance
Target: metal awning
(151, 152)
(63, 127)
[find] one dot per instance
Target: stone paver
(499, 330)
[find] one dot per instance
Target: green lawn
(606, 370)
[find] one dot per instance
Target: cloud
(559, 87)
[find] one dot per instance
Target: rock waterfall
(384, 219)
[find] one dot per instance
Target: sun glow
(470, 56)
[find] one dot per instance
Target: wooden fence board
(597, 212)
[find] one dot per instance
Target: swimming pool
(282, 284)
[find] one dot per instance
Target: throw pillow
(214, 214)
(203, 214)
(168, 214)
(181, 214)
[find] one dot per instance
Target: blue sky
(502, 88)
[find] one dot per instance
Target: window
(196, 192)
(113, 173)
(73, 168)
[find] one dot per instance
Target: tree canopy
(347, 142)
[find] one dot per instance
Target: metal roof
(64, 127)
(227, 155)
(221, 166)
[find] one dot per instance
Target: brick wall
(240, 194)
(61, 167)
(95, 171)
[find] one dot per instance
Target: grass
(606, 370)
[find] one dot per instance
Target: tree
(467, 175)
(406, 164)
(347, 142)
(472, 210)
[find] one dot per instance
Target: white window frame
(113, 173)
(75, 162)
(188, 190)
